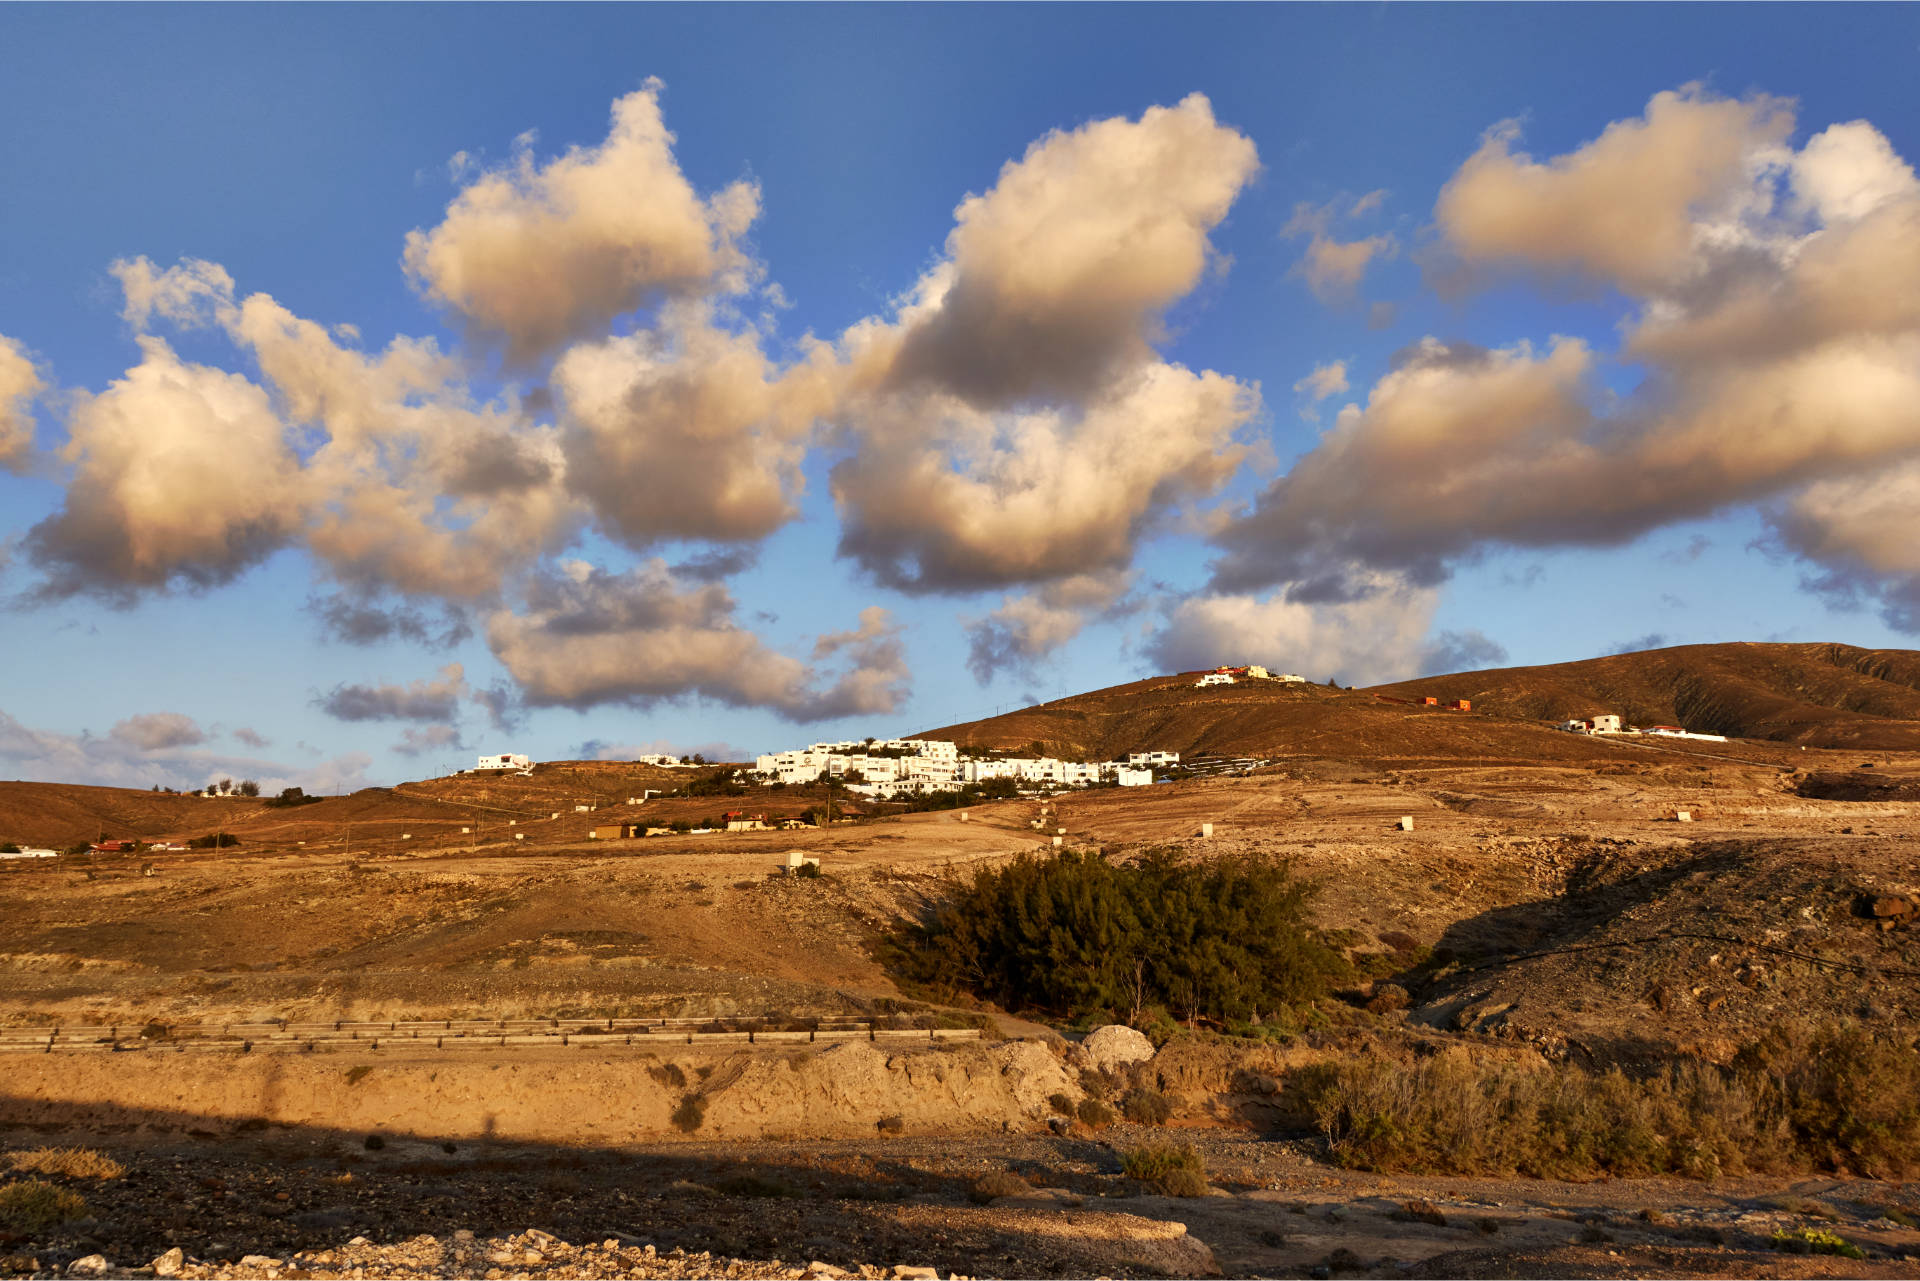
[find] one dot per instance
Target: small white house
(1606, 723)
(506, 760)
(1214, 678)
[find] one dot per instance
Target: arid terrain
(364, 1024)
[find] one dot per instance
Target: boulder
(1892, 906)
(1114, 1048)
(169, 1264)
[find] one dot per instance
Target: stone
(1115, 1048)
(258, 1261)
(905, 1272)
(92, 1265)
(169, 1264)
(1892, 905)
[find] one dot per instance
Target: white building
(506, 760)
(1606, 723)
(1147, 760)
(1214, 678)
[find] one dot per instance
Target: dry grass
(991, 1187)
(73, 1163)
(1798, 1099)
(35, 1205)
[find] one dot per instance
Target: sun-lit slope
(1818, 694)
(60, 814)
(1262, 718)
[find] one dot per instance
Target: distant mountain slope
(59, 814)
(1263, 718)
(1821, 695)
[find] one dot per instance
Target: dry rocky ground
(1551, 906)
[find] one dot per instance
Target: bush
(1146, 1107)
(1061, 1103)
(1816, 1241)
(991, 1187)
(219, 840)
(1095, 1115)
(1079, 936)
(894, 1124)
(9, 848)
(74, 1163)
(35, 1205)
(688, 1116)
(1831, 1098)
(754, 1185)
(249, 788)
(1170, 1169)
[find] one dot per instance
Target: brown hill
(1820, 695)
(1266, 719)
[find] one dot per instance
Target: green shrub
(1816, 1241)
(34, 1205)
(1188, 1183)
(1095, 1115)
(1146, 1107)
(688, 1116)
(754, 1185)
(1061, 1103)
(1076, 935)
(1171, 1169)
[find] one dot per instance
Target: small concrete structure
(1406, 822)
(963, 816)
(797, 860)
(1206, 829)
(1683, 816)
(1058, 841)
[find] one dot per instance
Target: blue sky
(762, 436)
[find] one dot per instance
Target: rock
(169, 1264)
(1892, 905)
(1114, 1048)
(463, 1234)
(903, 1272)
(259, 1261)
(92, 1265)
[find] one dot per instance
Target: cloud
(1042, 494)
(597, 749)
(421, 700)
(590, 637)
(1012, 422)
(1463, 651)
(1333, 268)
(158, 731)
(1627, 208)
(688, 430)
(1652, 640)
(1777, 338)
(1029, 627)
(1326, 380)
(1374, 638)
(1058, 277)
(501, 702)
(180, 476)
(20, 383)
(251, 738)
(117, 761)
(429, 738)
(535, 256)
(356, 621)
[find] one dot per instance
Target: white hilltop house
(889, 767)
(506, 760)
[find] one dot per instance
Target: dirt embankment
(848, 1090)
